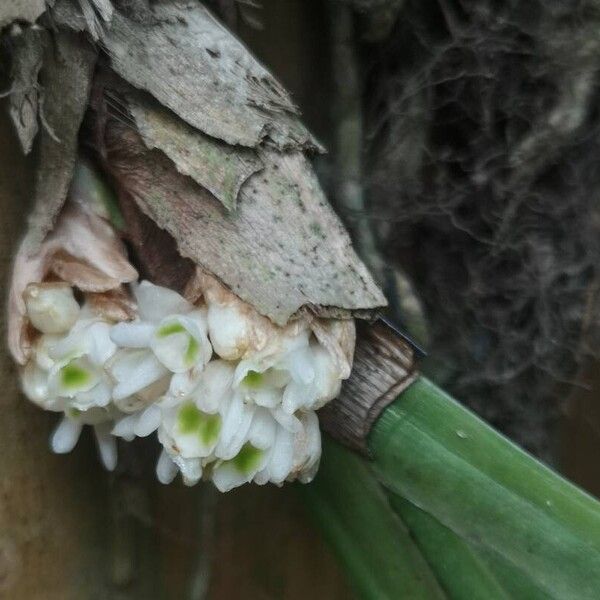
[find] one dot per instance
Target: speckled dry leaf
(191, 64)
(27, 56)
(21, 10)
(66, 75)
(283, 248)
(216, 166)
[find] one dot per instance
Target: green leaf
(375, 548)
(443, 459)
(459, 569)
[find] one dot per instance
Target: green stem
(353, 512)
(443, 459)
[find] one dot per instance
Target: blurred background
(464, 145)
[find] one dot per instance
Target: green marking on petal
(170, 329)
(191, 352)
(191, 420)
(73, 376)
(210, 429)
(248, 459)
(73, 412)
(253, 379)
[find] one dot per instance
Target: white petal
(214, 386)
(288, 421)
(257, 364)
(258, 386)
(296, 396)
(51, 308)
(125, 427)
(34, 382)
(300, 365)
(134, 370)
(100, 346)
(107, 447)
(236, 423)
(282, 456)
(180, 343)
(230, 331)
(242, 469)
(65, 436)
(182, 384)
(155, 302)
(148, 421)
(190, 468)
(226, 477)
(166, 469)
(98, 396)
(42, 349)
(263, 430)
(132, 335)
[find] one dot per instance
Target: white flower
(298, 375)
(245, 416)
(68, 372)
(195, 416)
(51, 307)
(172, 328)
(78, 373)
(251, 456)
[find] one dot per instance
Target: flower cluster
(231, 396)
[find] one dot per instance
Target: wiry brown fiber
(484, 183)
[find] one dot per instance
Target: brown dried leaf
(338, 337)
(216, 166)
(282, 249)
(66, 76)
(191, 64)
(154, 251)
(27, 57)
(114, 305)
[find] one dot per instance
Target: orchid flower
(243, 415)
(169, 336)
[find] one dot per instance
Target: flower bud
(51, 307)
